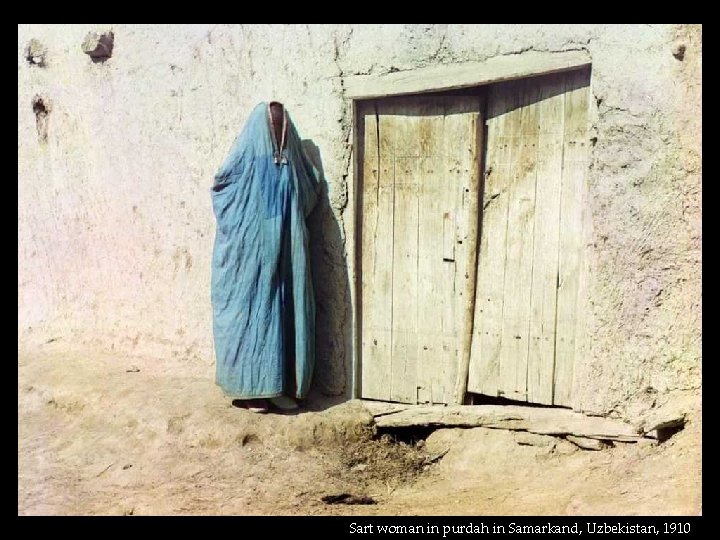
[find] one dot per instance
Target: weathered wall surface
(115, 226)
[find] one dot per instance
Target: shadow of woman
(331, 283)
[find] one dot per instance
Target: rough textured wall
(115, 226)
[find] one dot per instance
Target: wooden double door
(471, 242)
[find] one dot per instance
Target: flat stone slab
(543, 421)
(381, 408)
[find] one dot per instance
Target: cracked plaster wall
(115, 226)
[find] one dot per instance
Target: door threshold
(540, 420)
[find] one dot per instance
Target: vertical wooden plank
(377, 245)
(484, 371)
(468, 131)
(405, 135)
(355, 207)
(449, 270)
(431, 291)
(405, 281)
(519, 255)
(541, 352)
(571, 228)
(583, 302)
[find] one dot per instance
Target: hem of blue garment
(254, 396)
(260, 396)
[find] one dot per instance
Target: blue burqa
(262, 296)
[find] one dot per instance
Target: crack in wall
(453, 60)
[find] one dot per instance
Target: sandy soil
(128, 436)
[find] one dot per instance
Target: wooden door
(526, 306)
(419, 169)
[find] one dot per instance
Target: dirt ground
(140, 437)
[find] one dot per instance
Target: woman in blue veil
(262, 295)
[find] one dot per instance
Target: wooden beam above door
(463, 75)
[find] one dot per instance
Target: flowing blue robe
(262, 296)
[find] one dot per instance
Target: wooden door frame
(438, 78)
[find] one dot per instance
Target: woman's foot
(284, 403)
(253, 405)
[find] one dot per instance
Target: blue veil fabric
(262, 296)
